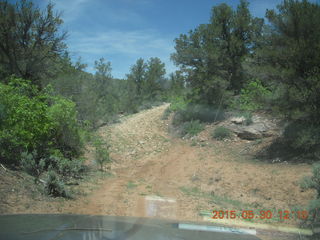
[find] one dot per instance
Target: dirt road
(182, 178)
(158, 175)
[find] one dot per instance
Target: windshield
(202, 116)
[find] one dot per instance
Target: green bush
(253, 96)
(303, 137)
(67, 137)
(247, 117)
(166, 113)
(30, 164)
(221, 133)
(191, 128)
(203, 113)
(3, 113)
(72, 168)
(36, 121)
(178, 104)
(313, 182)
(54, 186)
(66, 167)
(25, 124)
(102, 155)
(300, 143)
(147, 104)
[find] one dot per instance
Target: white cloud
(125, 42)
(128, 45)
(122, 15)
(119, 46)
(74, 9)
(71, 9)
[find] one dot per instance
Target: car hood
(87, 227)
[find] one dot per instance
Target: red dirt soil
(158, 175)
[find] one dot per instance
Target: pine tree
(212, 55)
(31, 42)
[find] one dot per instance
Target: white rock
(237, 120)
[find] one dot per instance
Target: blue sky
(122, 31)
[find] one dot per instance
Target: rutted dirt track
(198, 175)
(157, 175)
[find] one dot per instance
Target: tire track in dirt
(154, 163)
(178, 177)
(212, 177)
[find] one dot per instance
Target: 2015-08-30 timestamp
(263, 214)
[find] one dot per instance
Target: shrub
(247, 117)
(70, 167)
(3, 114)
(147, 104)
(64, 166)
(25, 126)
(191, 128)
(203, 113)
(178, 119)
(313, 182)
(166, 113)
(66, 132)
(36, 121)
(54, 186)
(221, 133)
(300, 142)
(31, 165)
(101, 153)
(178, 104)
(303, 137)
(252, 97)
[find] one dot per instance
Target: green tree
(102, 76)
(212, 55)
(79, 65)
(31, 41)
(290, 58)
(177, 83)
(137, 75)
(106, 97)
(155, 77)
(288, 64)
(197, 57)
